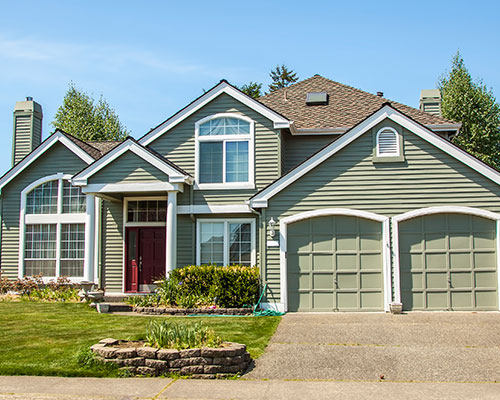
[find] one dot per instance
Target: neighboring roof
(105, 146)
(175, 173)
(222, 87)
(261, 198)
(347, 106)
(94, 148)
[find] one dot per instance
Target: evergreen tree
(475, 106)
(282, 77)
(82, 117)
(252, 89)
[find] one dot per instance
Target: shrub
(34, 288)
(164, 334)
(149, 300)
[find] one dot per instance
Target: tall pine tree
(282, 77)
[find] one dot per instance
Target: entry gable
(131, 162)
(385, 112)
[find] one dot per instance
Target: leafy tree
(475, 106)
(253, 89)
(82, 117)
(282, 77)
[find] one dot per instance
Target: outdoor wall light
(271, 224)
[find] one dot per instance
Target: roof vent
(317, 98)
(380, 94)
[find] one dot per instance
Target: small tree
(82, 117)
(475, 106)
(252, 89)
(282, 77)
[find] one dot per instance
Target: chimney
(430, 101)
(27, 128)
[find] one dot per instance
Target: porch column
(88, 263)
(171, 231)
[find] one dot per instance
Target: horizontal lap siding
(57, 159)
(299, 148)
(178, 145)
(349, 179)
(186, 254)
(112, 246)
(128, 168)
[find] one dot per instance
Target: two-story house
(345, 201)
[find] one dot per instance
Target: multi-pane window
(54, 247)
(40, 249)
(225, 242)
(72, 249)
(224, 150)
(147, 211)
(43, 199)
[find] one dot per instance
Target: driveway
(421, 347)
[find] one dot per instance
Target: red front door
(145, 257)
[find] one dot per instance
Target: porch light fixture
(271, 224)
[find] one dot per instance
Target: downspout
(263, 255)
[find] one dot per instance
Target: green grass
(46, 338)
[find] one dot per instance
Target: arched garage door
(334, 263)
(448, 262)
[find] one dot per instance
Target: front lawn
(45, 338)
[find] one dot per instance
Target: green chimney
(430, 101)
(27, 128)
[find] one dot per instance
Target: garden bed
(192, 311)
(139, 359)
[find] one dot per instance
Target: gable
(350, 179)
(128, 168)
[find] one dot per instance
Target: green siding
(299, 148)
(186, 252)
(178, 145)
(128, 168)
(57, 159)
(112, 246)
(428, 177)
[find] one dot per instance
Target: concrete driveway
(421, 347)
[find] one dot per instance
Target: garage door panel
(369, 242)
(455, 269)
(323, 243)
(323, 281)
(347, 262)
(347, 281)
(346, 243)
(370, 261)
(301, 243)
(323, 262)
(323, 301)
(371, 300)
(348, 301)
(371, 280)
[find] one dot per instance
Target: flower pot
(102, 307)
(396, 308)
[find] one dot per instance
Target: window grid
(74, 201)
(43, 199)
(225, 126)
(146, 211)
(72, 249)
(40, 249)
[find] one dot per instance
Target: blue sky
(149, 59)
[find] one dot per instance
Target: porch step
(119, 307)
(114, 298)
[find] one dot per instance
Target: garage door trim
(386, 255)
(438, 210)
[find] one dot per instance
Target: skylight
(317, 98)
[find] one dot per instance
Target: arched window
(224, 151)
(53, 226)
(387, 143)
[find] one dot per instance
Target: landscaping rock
(203, 376)
(147, 352)
(130, 370)
(223, 361)
(213, 369)
(183, 362)
(146, 371)
(108, 342)
(190, 353)
(192, 369)
(136, 361)
(157, 364)
(105, 352)
(168, 354)
(213, 353)
(125, 353)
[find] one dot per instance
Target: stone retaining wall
(209, 363)
(187, 311)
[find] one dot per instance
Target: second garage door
(334, 263)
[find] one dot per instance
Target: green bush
(34, 288)
(231, 286)
(164, 334)
(149, 300)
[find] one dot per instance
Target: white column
(88, 264)
(171, 231)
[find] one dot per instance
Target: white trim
(222, 87)
(385, 112)
(88, 262)
(215, 209)
(272, 243)
(82, 177)
(397, 153)
(227, 221)
(171, 233)
(126, 200)
(139, 187)
(273, 306)
(386, 261)
(49, 218)
(42, 148)
(438, 210)
(249, 138)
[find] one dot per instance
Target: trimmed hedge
(194, 285)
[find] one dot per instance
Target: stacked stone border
(208, 363)
(188, 311)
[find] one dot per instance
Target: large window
(226, 242)
(54, 230)
(224, 151)
(146, 210)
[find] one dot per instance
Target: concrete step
(119, 307)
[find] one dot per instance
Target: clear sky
(150, 58)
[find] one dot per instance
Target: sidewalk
(49, 388)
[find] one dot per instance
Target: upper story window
(44, 199)
(388, 143)
(224, 152)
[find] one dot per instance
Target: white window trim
(386, 255)
(438, 210)
(250, 138)
(397, 153)
(253, 257)
(126, 200)
(53, 219)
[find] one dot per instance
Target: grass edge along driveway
(46, 338)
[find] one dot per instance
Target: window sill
(224, 186)
(378, 159)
